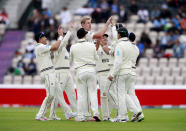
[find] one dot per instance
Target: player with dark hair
(83, 56)
(122, 71)
(131, 91)
(47, 71)
(132, 37)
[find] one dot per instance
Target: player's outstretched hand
(60, 31)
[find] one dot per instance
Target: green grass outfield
(22, 119)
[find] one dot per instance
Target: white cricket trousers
(65, 81)
(123, 83)
(108, 94)
(86, 90)
(50, 85)
(132, 94)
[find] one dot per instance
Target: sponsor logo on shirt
(105, 60)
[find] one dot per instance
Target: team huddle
(93, 59)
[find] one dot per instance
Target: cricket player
(64, 79)
(103, 66)
(86, 24)
(91, 36)
(110, 51)
(131, 85)
(83, 56)
(47, 71)
(123, 73)
(132, 92)
(109, 99)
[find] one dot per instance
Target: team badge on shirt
(47, 46)
(118, 53)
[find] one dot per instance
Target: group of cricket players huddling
(94, 60)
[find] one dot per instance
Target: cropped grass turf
(22, 119)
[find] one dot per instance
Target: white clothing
(47, 75)
(124, 63)
(126, 55)
(143, 14)
(89, 36)
(64, 79)
(61, 56)
(50, 85)
(86, 91)
(124, 100)
(132, 94)
(83, 56)
(103, 62)
(65, 17)
(43, 57)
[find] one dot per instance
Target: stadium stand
(157, 62)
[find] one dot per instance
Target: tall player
(91, 36)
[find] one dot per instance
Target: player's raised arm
(66, 38)
(98, 44)
(56, 45)
(114, 32)
(102, 31)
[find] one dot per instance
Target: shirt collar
(36, 44)
(123, 39)
(81, 40)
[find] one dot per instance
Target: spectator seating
(150, 70)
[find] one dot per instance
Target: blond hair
(83, 20)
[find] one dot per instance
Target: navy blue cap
(39, 36)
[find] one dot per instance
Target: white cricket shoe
(54, 118)
(118, 120)
(106, 118)
(69, 116)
